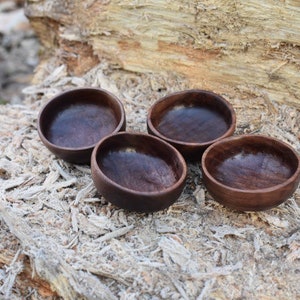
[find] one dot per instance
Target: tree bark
(219, 45)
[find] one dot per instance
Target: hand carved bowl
(138, 172)
(251, 172)
(191, 121)
(73, 122)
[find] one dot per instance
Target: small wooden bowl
(73, 122)
(251, 172)
(191, 121)
(138, 172)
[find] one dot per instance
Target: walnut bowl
(138, 172)
(73, 122)
(251, 172)
(191, 120)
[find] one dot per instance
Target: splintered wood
(81, 247)
(212, 43)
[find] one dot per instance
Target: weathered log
(25, 278)
(83, 246)
(219, 45)
(50, 265)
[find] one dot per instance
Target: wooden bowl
(251, 172)
(73, 122)
(138, 172)
(191, 121)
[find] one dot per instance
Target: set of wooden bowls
(147, 172)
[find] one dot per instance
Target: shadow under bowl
(251, 172)
(138, 172)
(191, 120)
(73, 122)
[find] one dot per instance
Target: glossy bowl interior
(251, 172)
(138, 172)
(191, 120)
(73, 122)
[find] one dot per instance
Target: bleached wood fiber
(86, 248)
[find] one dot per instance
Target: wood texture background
(54, 225)
(217, 45)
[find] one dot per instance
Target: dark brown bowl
(191, 121)
(251, 172)
(73, 122)
(138, 172)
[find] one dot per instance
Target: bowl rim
(174, 186)
(262, 137)
(63, 93)
(227, 133)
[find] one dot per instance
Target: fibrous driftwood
(83, 246)
(217, 45)
(21, 275)
(49, 262)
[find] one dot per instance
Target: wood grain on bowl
(191, 120)
(73, 122)
(251, 172)
(80, 125)
(138, 172)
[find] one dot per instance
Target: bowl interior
(251, 163)
(80, 118)
(192, 117)
(139, 162)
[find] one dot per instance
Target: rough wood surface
(218, 45)
(85, 247)
(23, 277)
(49, 262)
